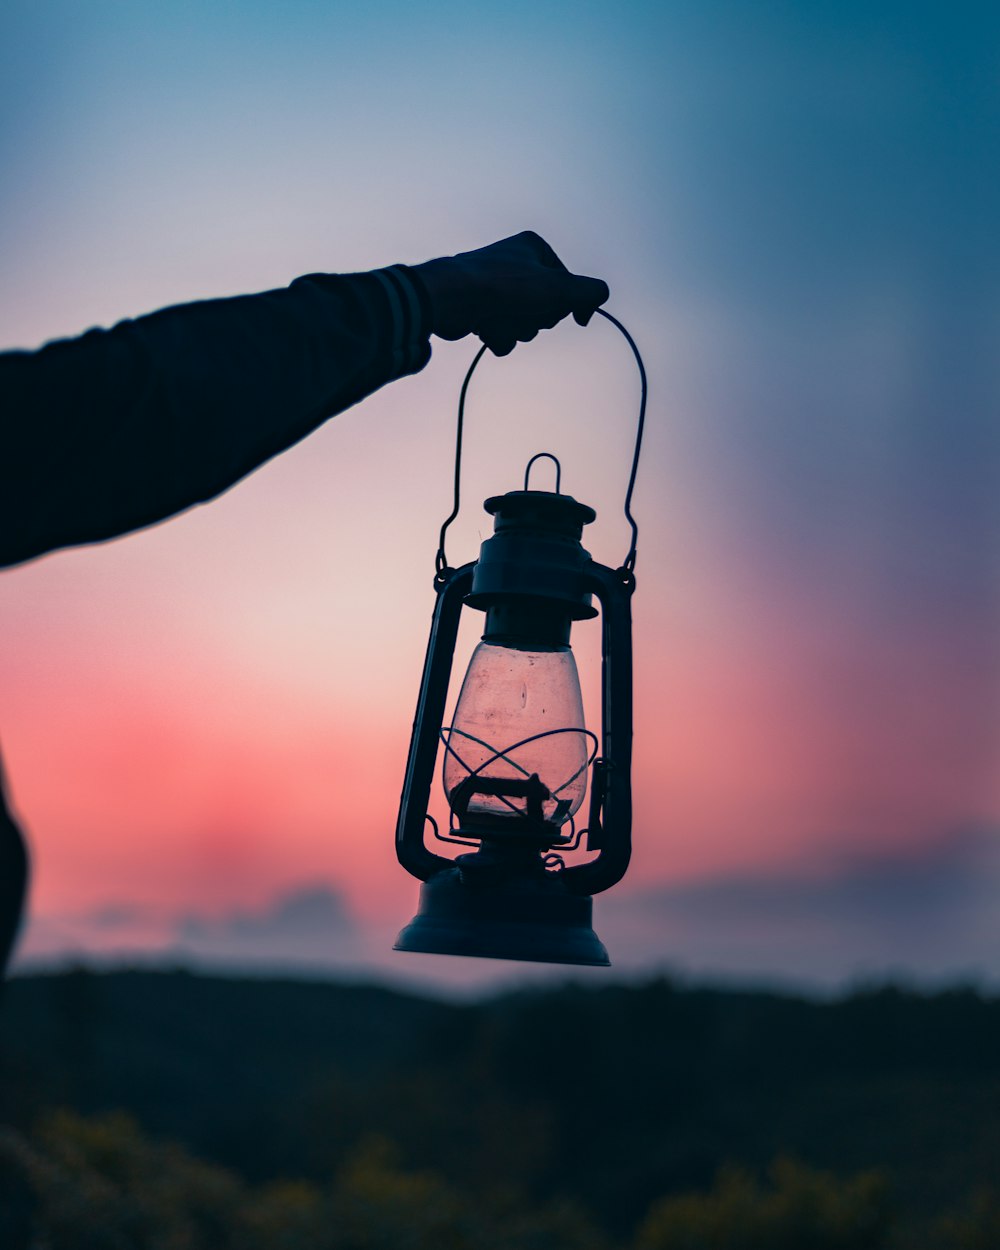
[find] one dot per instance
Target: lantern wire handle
(628, 566)
(441, 560)
(629, 563)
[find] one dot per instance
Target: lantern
(518, 759)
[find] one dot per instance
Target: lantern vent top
(539, 510)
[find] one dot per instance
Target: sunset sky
(795, 206)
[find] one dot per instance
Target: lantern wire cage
(448, 732)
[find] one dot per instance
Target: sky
(205, 724)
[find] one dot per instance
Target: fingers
(547, 303)
(506, 292)
(502, 336)
(592, 292)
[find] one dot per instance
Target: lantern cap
(539, 509)
(534, 555)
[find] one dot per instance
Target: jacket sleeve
(120, 428)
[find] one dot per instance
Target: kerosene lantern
(517, 756)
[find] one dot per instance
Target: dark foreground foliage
(202, 1112)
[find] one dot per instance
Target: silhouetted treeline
(613, 1111)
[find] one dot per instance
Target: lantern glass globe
(520, 713)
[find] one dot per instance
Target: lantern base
(534, 919)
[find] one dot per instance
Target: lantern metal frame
(609, 822)
(506, 900)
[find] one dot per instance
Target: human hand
(507, 292)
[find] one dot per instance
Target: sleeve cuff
(409, 318)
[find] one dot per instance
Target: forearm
(121, 428)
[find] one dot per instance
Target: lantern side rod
(411, 850)
(615, 595)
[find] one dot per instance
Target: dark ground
(613, 1097)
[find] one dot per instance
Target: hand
(507, 292)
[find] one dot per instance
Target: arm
(120, 428)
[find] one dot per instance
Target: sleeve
(120, 428)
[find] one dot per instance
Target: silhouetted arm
(120, 428)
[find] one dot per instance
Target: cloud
(310, 925)
(304, 912)
(117, 916)
(114, 931)
(929, 913)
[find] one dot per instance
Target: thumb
(589, 295)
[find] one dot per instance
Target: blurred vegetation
(101, 1184)
(175, 1112)
(800, 1208)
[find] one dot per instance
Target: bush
(976, 1227)
(101, 1184)
(800, 1209)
